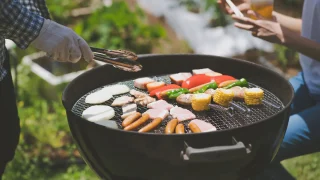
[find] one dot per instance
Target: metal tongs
(121, 59)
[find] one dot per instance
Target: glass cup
(263, 7)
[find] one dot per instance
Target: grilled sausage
(226, 83)
(180, 129)
(151, 125)
(171, 126)
(128, 120)
(137, 123)
(194, 128)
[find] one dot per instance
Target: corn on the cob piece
(200, 102)
(223, 96)
(253, 96)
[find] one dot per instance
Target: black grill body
(116, 154)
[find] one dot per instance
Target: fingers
(261, 33)
(243, 7)
(244, 20)
(75, 53)
(64, 55)
(62, 43)
(246, 24)
(54, 55)
(255, 15)
(248, 27)
(85, 50)
(254, 33)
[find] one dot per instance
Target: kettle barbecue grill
(241, 147)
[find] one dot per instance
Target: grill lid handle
(215, 154)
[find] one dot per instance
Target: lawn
(304, 167)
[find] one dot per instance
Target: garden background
(46, 149)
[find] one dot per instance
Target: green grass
(73, 172)
(305, 167)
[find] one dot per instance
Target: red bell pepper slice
(222, 78)
(163, 88)
(196, 80)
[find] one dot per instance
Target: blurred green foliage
(219, 18)
(191, 5)
(45, 139)
(60, 9)
(286, 57)
(118, 27)
(304, 167)
(44, 133)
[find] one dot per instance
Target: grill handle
(215, 154)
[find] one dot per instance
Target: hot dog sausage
(151, 125)
(194, 128)
(171, 126)
(180, 129)
(138, 122)
(128, 120)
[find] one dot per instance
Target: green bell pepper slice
(213, 85)
(177, 92)
(242, 83)
(173, 91)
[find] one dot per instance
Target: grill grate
(220, 120)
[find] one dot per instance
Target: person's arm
(25, 27)
(18, 23)
(274, 32)
(291, 23)
(303, 45)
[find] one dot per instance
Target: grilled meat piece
(120, 101)
(160, 104)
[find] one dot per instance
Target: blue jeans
(303, 132)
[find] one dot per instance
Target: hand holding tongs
(121, 59)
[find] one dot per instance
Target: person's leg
(296, 131)
(9, 120)
(303, 134)
(302, 99)
(302, 137)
